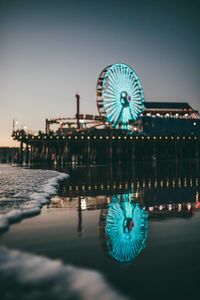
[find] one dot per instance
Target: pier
(127, 128)
(103, 146)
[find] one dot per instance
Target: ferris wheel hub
(125, 99)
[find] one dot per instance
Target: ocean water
(117, 232)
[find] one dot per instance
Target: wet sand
(168, 268)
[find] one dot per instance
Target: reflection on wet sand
(91, 223)
(123, 228)
(126, 201)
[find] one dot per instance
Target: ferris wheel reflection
(123, 228)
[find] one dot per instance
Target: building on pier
(178, 110)
(177, 118)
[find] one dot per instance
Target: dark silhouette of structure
(127, 129)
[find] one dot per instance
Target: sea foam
(34, 277)
(23, 192)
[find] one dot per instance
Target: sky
(51, 49)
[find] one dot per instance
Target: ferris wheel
(120, 96)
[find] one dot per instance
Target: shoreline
(34, 203)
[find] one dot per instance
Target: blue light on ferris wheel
(126, 228)
(120, 96)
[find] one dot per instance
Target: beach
(166, 268)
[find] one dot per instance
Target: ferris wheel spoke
(130, 76)
(138, 101)
(136, 105)
(114, 114)
(135, 112)
(119, 116)
(112, 103)
(136, 92)
(116, 76)
(113, 88)
(110, 99)
(109, 93)
(110, 106)
(124, 76)
(118, 72)
(128, 79)
(120, 76)
(113, 77)
(137, 97)
(134, 85)
(113, 110)
(110, 96)
(112, 84)
(131, 113)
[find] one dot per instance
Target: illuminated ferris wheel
(120, 95)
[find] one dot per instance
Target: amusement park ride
(120, 102)
(123, 115)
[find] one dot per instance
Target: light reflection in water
(125, 228)
(162, 192)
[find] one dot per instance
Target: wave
(31, 277)
(24, 191)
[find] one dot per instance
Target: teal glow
(126, 228)
(122, 95)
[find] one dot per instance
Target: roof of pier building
(168, 105)
(168, 109)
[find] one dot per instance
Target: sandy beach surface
(168, 268)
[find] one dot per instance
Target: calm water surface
(138, 226)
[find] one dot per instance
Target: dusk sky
(49, 50)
